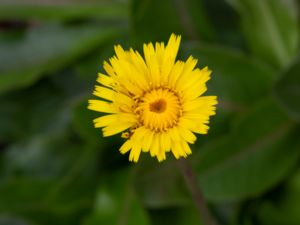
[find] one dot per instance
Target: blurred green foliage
(55, 168)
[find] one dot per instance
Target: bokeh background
(55, 168)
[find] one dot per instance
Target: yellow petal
(186, 134)
(175, 73)
(152, 64)
(105, 120)
(166, 141)
(121, 54)
(116, 127)
(109, 70)
(199, 103)
(135, 151)
(104, 93)
(155, 145)
(102, 106)
(126, 147)
(176, 150)
(186, 148)
(147, 141)
(172, 47)
(189, 65)
(105, 80)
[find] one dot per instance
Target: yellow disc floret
(159, 110)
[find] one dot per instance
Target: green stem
(198, 198)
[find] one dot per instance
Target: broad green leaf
(49, 152)
(284, 208)
(225, 22)
(104, 9)
(287, 90)
(17, 193)
(13, 220)
(156, 20)
(43, 108)
(29, 198)
(53, 154)
(32, 114)
(45, 49)
(270, 28)
(252, 158)
(40, 178)
(8, 112)
(237, 79)
(116, 202)
(161, 185)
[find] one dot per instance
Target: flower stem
(190, 179)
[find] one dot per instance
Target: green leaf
(270, 28)
(44, 108)
(287, 90)
(116, 202)
(52, 154)
(105, 9)
(12, 220)
(48, 188)
(237, 79)
(169, 16)
(28, 198)
(14, 198)
(252, 158)
(45, 49)
(39, 114)
(8, 112)
(284, 207)
(225, 22)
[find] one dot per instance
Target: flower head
(155, 101)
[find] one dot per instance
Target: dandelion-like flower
(155, 101)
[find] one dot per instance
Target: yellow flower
(155, 101)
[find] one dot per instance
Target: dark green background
(55, 168)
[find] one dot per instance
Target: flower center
(159, 109)
(158, 106)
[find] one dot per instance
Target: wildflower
(155, 101)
